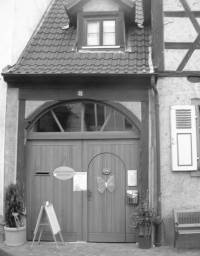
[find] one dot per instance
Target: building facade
(104, 88)
(178, 88)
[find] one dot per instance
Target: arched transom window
(83, 116)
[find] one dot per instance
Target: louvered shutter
(183, 138)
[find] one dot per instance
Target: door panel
(95, 216)
(42, 158)
(108, 212)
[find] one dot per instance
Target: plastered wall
(178, 189)
(100, 5)
(180, 30)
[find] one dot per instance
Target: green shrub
(14, 204)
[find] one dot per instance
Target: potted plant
(143, 220)
(15, 228)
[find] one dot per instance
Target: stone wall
(179, 189)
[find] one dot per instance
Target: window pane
(89, 117)
(68, 118)
(109, 26)
(46, 124)
(93, 27)
(72, 119)
(94, 116)
(93, 33)
(93, 39)
(109, 32)
(116, 121)
(109, 39)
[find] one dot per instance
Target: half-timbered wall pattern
(181, 35)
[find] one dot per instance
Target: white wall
(179, 189)
(18, 19)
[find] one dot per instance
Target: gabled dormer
(102, 24)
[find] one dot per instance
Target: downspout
(157, 124)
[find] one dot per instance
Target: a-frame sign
(47, 217)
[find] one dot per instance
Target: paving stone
(92, 249)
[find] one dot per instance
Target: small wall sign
(132, 178)
(80, 181)
(63, 173)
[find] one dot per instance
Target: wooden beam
(157, 34)
(180, 14)
(190, 15)
(57, 121)
(189, 54)
(21, 142)
(179, 45)
(122, 94)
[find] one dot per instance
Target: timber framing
(157, 34)
(180, 14)
(189, 46)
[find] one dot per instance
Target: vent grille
(183, 119)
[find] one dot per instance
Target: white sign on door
(80, 181)
(132, 178)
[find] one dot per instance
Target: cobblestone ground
(92, 249)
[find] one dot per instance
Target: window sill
(101, 48)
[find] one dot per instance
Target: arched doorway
(92, 138)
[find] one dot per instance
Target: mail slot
(132, 197)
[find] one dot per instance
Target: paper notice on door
(132, 178)
(80, 181)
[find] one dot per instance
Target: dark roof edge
(19, 77)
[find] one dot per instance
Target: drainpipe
(157, 124)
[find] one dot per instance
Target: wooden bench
(187, 228)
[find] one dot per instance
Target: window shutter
(183, 138)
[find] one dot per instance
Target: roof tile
(51, 50)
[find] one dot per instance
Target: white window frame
(101, 33)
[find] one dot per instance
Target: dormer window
(93, 33)
(101, 32)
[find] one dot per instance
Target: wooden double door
(100, 213)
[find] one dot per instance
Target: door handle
(89, 195)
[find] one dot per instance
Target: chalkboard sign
(53, 221)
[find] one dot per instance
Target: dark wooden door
(42, 158)
(99, 216)
(108, 212)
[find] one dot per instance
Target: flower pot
(144, 242)
(15, 236)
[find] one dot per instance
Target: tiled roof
(51, 50)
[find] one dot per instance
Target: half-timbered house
(110, 89)
(80, 97)
(177, 63)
